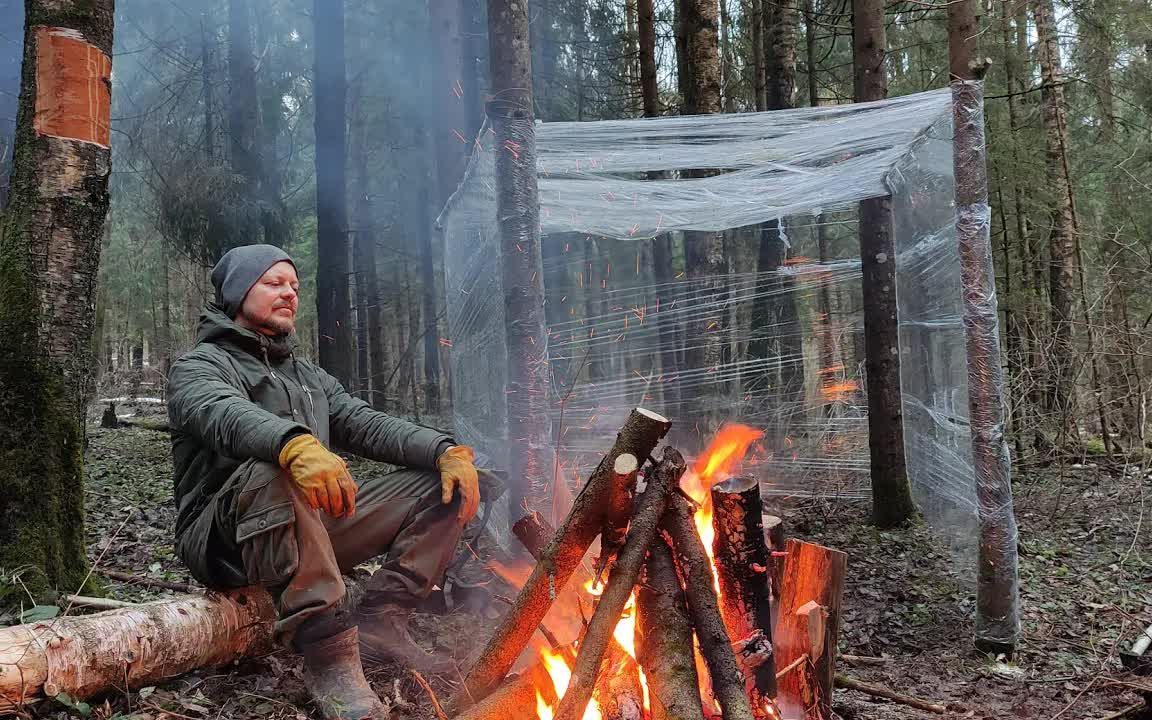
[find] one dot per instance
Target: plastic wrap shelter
(707, 268)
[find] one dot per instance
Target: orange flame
(561, 676)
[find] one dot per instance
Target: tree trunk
(891, 493)
(704, 251)
(647, 49)
(1062, 241)
(333, 301)
(206, 96)
(529, 426)
(781, 22)
(428, 297)
(50, 240)
(683, 9)
(754, 12)
(242, 108)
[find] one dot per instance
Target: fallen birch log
(87, 655)
(638, 437)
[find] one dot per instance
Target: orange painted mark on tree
(73, 87)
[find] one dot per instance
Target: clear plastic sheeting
(775, 342)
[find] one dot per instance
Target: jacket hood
(217, 328)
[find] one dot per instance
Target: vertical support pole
(997, 590)
(518, 211)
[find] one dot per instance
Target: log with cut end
(742, 568)
(808, 626)
(621, 582)
(664, 642)
(516, 698)
(534, 533)
(87, 655)
(619, 505)
(638, 437)
(715, 643)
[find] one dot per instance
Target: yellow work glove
(321, 474)
(457, 471)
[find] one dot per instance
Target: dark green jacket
(238, 395)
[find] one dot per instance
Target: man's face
(270, 306)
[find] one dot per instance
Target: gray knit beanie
(239, 270)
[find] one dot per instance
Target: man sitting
(262, 499)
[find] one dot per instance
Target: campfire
(698, 609)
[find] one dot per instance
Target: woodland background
(215, 135)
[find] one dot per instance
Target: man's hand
(457, 471)
(321, 474)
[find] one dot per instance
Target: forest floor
(1086, 583)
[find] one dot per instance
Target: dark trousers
(259, 530)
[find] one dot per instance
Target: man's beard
(274, 325)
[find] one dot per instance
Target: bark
(90, 655)
(682, 18)
(742, 566)
(207, 98)
(534, 533)
(754, 11)
(518, 210)
(664, 646)
(428, 296)
(810, 53)
(814, 574)
(370, 347)
(637, 437)
(715, 643)
(50, 240)
(333, 301)
(703, 56)
(997, 591)
(891, 493)
(669, 338)
(647, 49)
(621, 583)
(1062, 240)
(781, 22)
(242, 106)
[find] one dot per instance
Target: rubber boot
(335, 677)
(384, 637)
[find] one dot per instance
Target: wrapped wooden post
(86, 655)
(664, 639)
(715, 643)
(742, 566)
(621, 582)
(638, 437)
(808, 628)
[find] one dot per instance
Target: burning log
(621, 582)
(621, 697)
(665, 648)
(638, 437)
(808, 626)
(86, 655)
(516, 698)
(742, 566)
(715, 643)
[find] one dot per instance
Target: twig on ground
(1125, 711)
(858, 660)
(847, 683)
(150, 582)
(95, 602)
(431, 695)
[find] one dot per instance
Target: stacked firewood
(650, 545)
